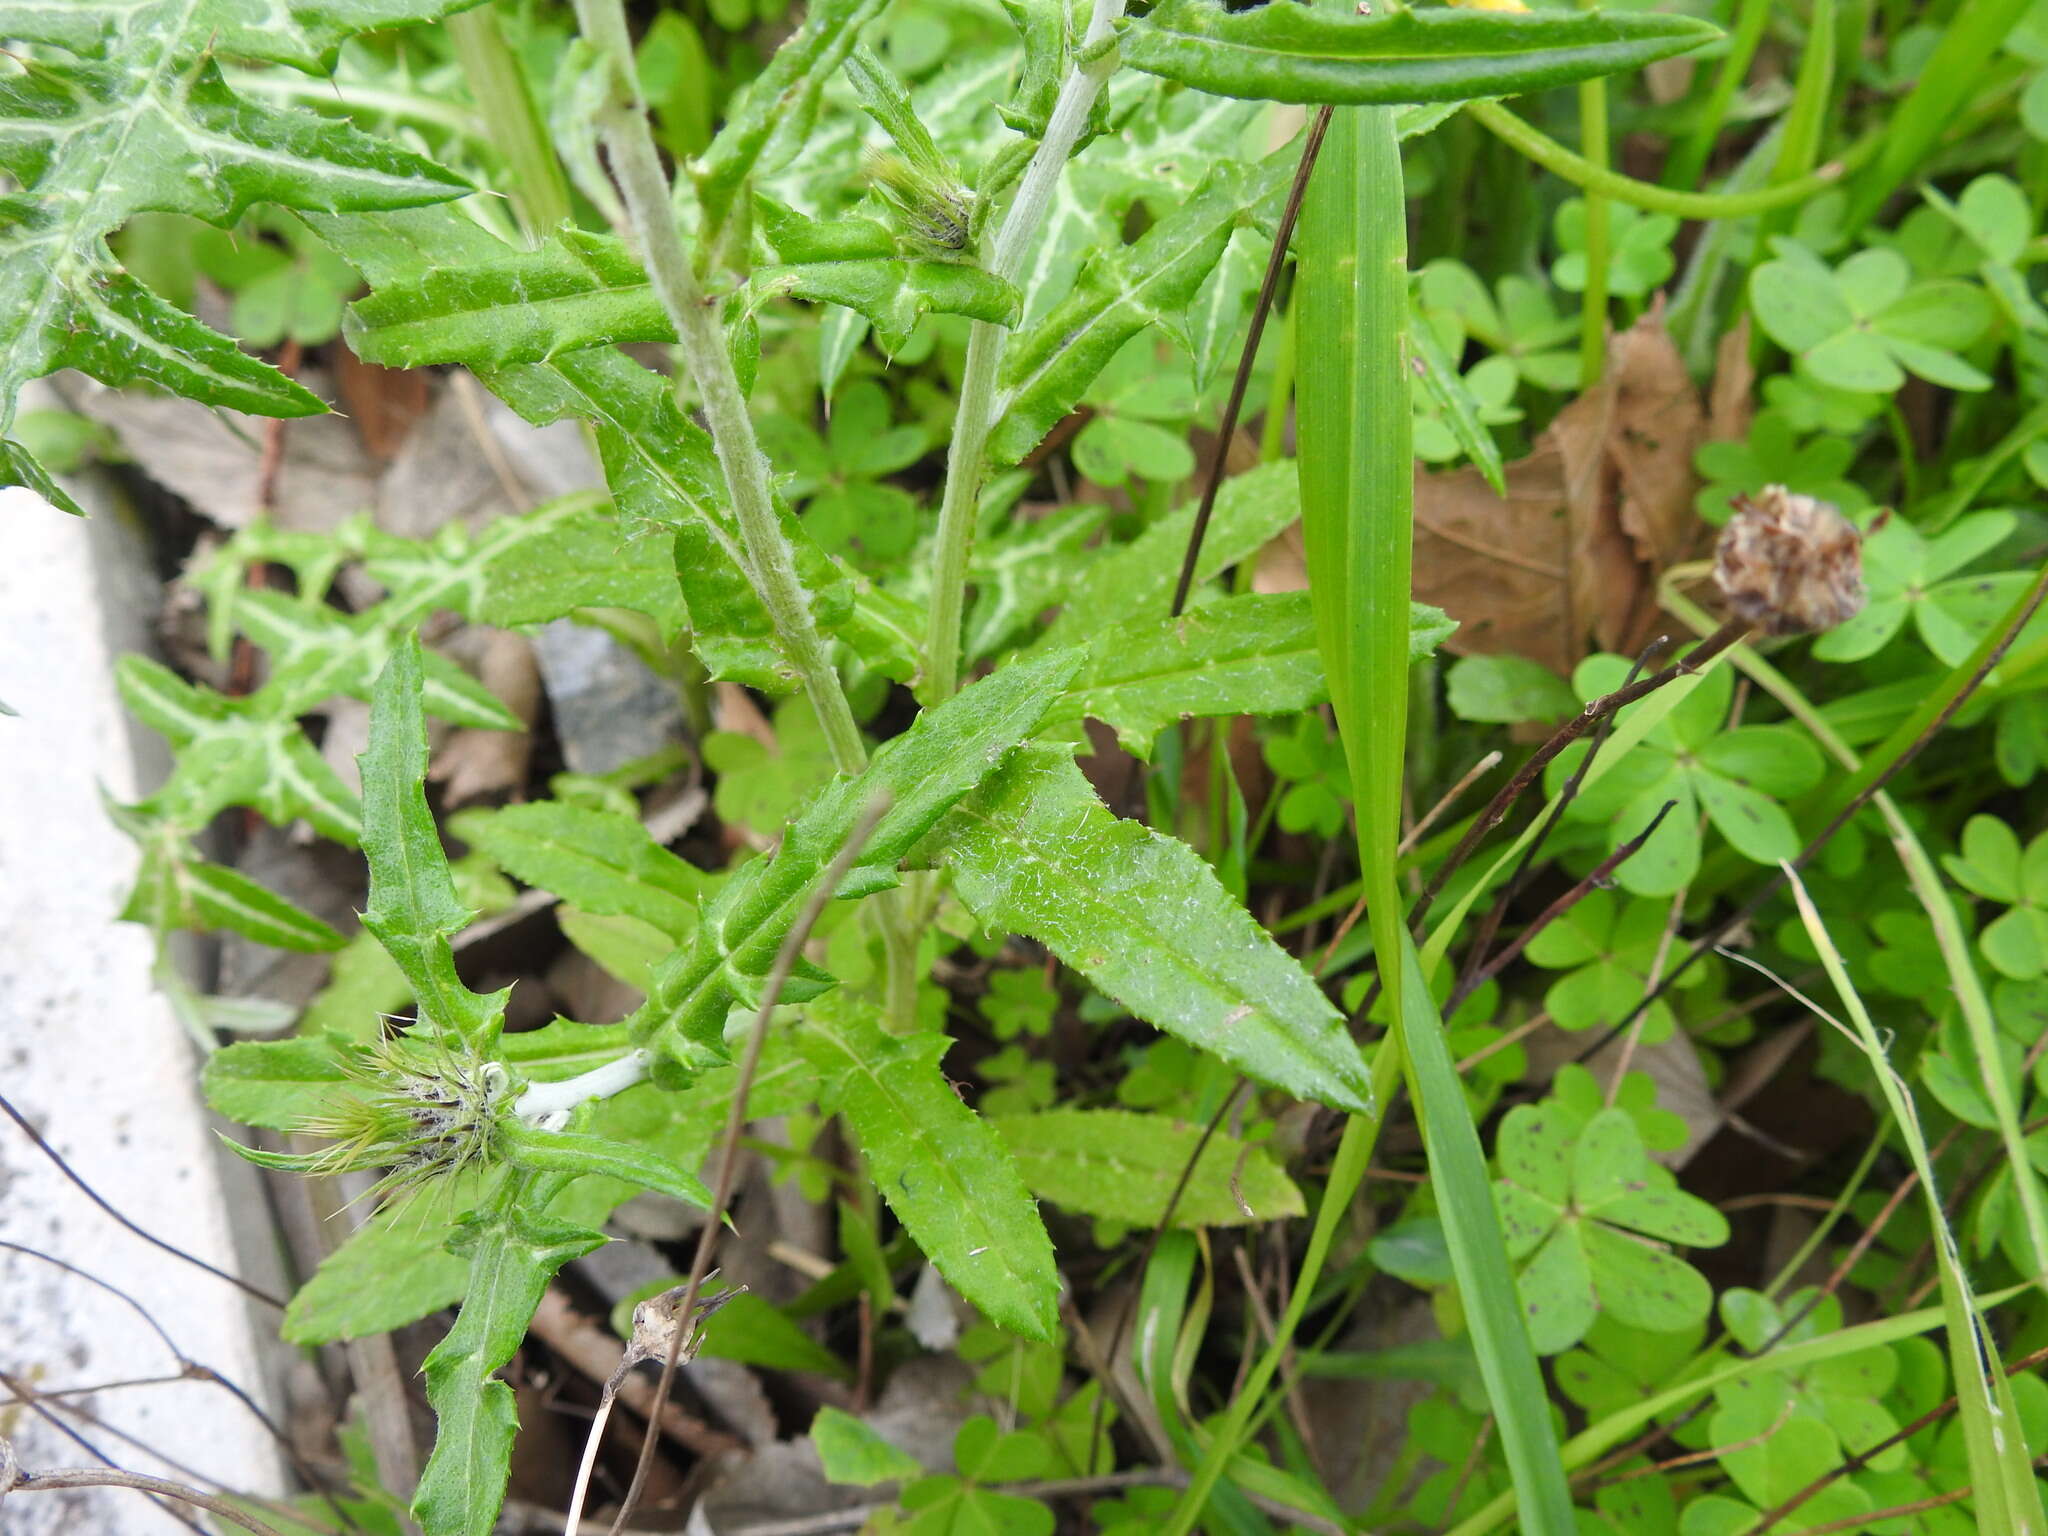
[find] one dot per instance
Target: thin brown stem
(1476, 979)
(1596, 711)
(13, 1480)
(1490, 925)
(151, 1238)
(736, 1121)
(1248, 358)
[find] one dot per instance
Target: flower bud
(933, 210)
(413, 1109)
(1790, 564)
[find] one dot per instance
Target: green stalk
(1095, 60)
(771, 566)
(1593, 317)
(512, 124)
(1927, 887)
(1806, 120)
(2004, 1495)
(1947, 79)
(1357, 492)
(1690, 158)
(1588, 177)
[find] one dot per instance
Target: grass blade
(2005, 1497)
(1357, 482)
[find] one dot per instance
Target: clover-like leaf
(1907, 573)
(1609, 948)
(1866, 324)
(1736, 777)
(1639, 255)
(1772, 454)
(1993, 865)
(1584, 1209)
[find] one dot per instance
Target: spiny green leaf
(1137, 579)
(599, 861)
(233, 752)
(514, 1249)
(940, 1166)
(277, 1084)
(394, 1270)
(582, 290)
(774, 116)
(894, 294)
(123, 110)
(224, 898)
(412, 908)
(1322, 53)
(316, 651)
(1253, 654)
(661, 469)
(1121, 292)
(1143, 918)
(949, 750)
(1125, 1166)
(572, 1152)
(306, 35)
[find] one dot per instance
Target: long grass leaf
(1357, 484)
(2004, 1497)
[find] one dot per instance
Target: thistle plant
(1109, 221)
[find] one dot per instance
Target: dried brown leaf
(1593, 517)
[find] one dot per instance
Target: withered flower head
(1790, 564)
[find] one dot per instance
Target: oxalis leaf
(514, 1249)
(412, 908)
(1289, 51)
(122, 110)
(1146, 921)
(924, 772)
(942, 1168)
(1253, 654)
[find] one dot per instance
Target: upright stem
(512, 123)
(1682, 171)
(771, 565)
(636, 165)
(1593, 320)
(958, 507)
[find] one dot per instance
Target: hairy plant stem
(1094, 62)
(771, 567)
(644, 185)
(545, 1099)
